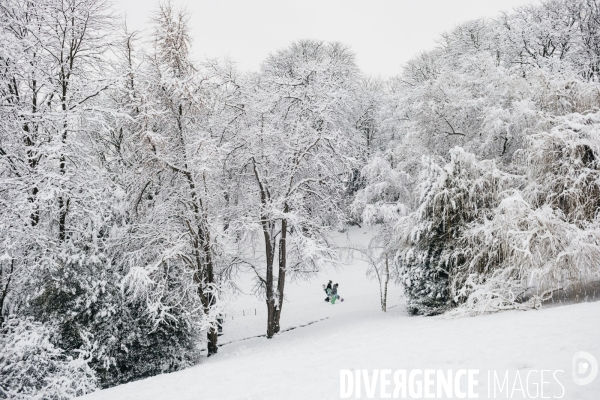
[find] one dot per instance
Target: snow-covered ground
(304, 301)
(305, 363)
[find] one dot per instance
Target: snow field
(305, 363)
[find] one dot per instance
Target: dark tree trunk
(5, 290)
(281, 276)
(212, 336)
(270, 318)
(204, 276)
(267, 226)
(63, 203)
(269, 283)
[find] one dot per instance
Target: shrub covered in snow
(544, 237)
(31, 367)
(454, 197)
(126, 335)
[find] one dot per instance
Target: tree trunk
(201, 241)
(212, 337)
(31, 154)
(63, 204)
(269, 288)
(282, 270)
(5, 290)
(267, 226)
(208, 280)
(206, 300)
(385, 285)
(269, 281)
(270, 318)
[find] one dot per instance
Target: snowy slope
(305, 363)
(304, 301)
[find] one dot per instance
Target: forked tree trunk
(204, 275)
(267, 225)
(201, 241)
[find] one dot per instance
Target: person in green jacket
(334, 296)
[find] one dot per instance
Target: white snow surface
(305, 363)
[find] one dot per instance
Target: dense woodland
(136, 182)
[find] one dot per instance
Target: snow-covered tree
(294, 153)
(175, 183)
(68, 238)
(51, 55)
(492, 88)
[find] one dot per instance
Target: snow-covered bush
(453, 197)
(541, 239)
(32, 367)
(124, 337)
(487, 240)
(521, 257)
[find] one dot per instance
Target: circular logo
(585, 368)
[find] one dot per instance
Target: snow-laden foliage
(452, 197)
(487, 240)
(502, 214)
(32, 367)
(543, 238)
(85, 208)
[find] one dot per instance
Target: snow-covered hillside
(304, 300)
(305, 363)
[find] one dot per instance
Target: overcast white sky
(383, 33)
